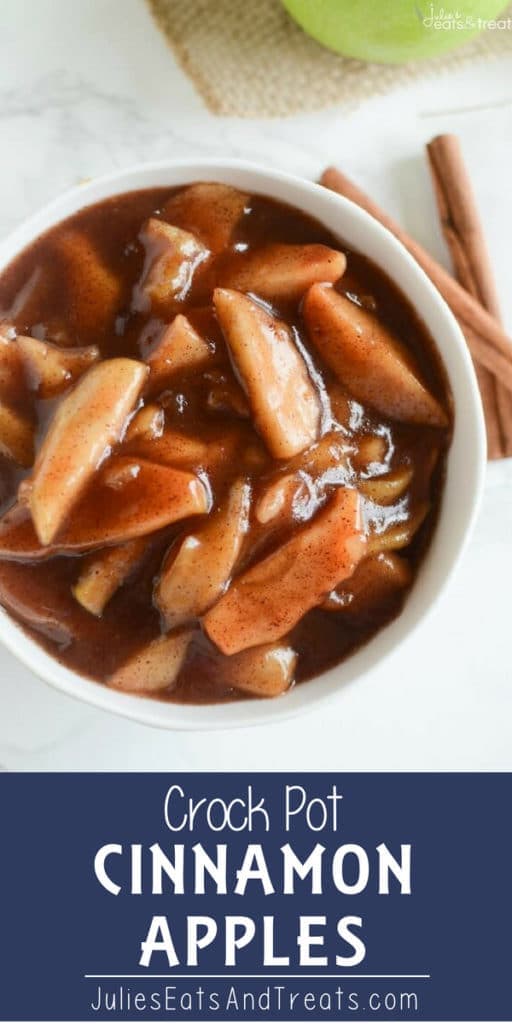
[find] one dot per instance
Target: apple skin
(390, 33)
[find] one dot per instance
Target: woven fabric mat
(247, 58)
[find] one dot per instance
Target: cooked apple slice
(119, 472)
(172, 257)
(375, 579)
(284, 272)
(197, 571)
(105, 572)
(400, 534)
(95, 291)
(296, 492)
(367, 359)
(283, 400)
(147, 424)
(277, 498)
(12, 375)
(265, 602)
(155, 667)
(148, 500)
(86, 424)
(265, 671)
(50, 369)
(372, 448)
(128, 498)
(173, 448)
(131, 497)
(209, 210)
(386, 489)
(16, 435)
(169, 448)
(179, 350)
(328, 458)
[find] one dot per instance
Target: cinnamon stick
(488, 342)
(464, 235)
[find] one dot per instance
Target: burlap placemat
(247, 58)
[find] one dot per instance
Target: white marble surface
(88, 86)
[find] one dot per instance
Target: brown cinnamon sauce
(35, 296)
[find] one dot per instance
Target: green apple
(391, 33)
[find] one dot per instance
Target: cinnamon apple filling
(222, 444)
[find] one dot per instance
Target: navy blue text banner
(255, 897)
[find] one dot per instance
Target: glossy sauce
(37, 296)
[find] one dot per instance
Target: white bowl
(465, 463)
